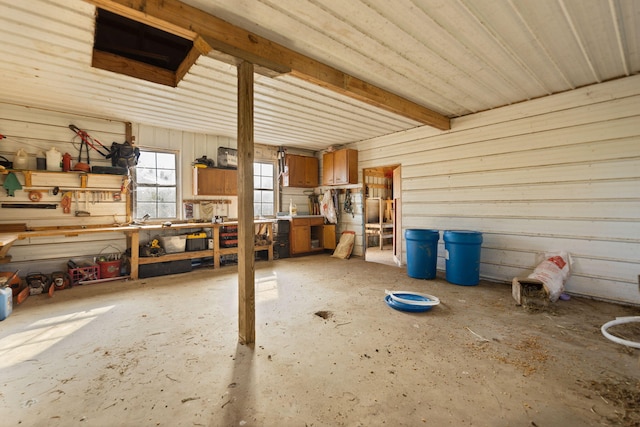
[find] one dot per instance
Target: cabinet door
(327, 169)
(310, 172)
(340, 173)
(216, 182)
(329, 236)
(298, 171)
(230, 182)
(301, 171)
(209, 182)
(300, 239)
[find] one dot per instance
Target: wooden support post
(246, 231)
(134, 245)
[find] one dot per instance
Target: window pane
(166, 160)
(256, 182)
(145, 175)
(267, 209)
(146, 209)
(166, 177)
(167, 194)
(267, 197)
(147, 159)
(146, 194)
(267, 182)
(166, 210)
(266, 169)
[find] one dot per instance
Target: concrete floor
(329, 352)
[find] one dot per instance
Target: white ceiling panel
(456, 57)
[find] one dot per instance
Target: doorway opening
(381, 215)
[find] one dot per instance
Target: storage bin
(110, 269)
(164, 268)
(173, 244)
(196, 242)
(80, 274)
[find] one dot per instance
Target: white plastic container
(173, 244)
(54, 160)
(21, 160)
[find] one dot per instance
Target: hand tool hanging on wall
(29, 205)
(66, 202)
(11, 184)
(78, 211)
(80, 166)
(90, 141)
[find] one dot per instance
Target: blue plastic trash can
(462, 256)
(422, 253)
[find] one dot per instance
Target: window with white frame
(156, 193)
(263, 189)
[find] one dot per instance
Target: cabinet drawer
(300, 222)
(316, 221)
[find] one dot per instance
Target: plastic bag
(327, 208)
(553, 272)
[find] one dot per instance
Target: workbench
(133, 241)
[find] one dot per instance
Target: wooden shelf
(133, 239)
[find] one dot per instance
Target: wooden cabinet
(340, 167)
(300, 171)
(329, 236)
(306, 235)
(215, 182)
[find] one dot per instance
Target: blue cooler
(6, 302)
(422, 253)
(462, 256)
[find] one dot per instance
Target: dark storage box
(229, 243)
(164, 268)
(282, 249)
(283, 226)
(196, 244)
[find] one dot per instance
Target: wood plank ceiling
(456, 57)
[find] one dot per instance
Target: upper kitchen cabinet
(340, 167)
(215, 182)
(300, 171)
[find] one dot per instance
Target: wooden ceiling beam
(189, 22)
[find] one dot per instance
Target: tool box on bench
(196, 241)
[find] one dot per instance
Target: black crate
(282, 249)
(229, 243)
(164, 268)
(196, 244)
(283, 226)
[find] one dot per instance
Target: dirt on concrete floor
(328, 352)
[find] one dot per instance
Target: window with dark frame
(156, 193)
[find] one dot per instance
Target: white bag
(553, 272)
(327, 209)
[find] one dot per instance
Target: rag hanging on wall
(348, 204)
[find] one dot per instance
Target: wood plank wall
(556, 173)
(36, 130)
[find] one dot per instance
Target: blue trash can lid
(462, 236)
(420, 234)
